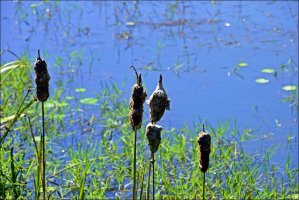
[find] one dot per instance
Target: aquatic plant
(153, 134)
(204, 149)
(158, 103)
(42, 79)
(136, 111)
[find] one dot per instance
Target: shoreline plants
(89, 161)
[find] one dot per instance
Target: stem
(153, 163)
(148, 180)
(141, 189)
(203, 186)
(134, 166)
(44, 152)
(32, 135)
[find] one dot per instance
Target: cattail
(153, 134)
(136, 111)
(136, 103)
(204, 148)
(158, 102)
(42, 79)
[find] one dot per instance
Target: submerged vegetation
(93, 159)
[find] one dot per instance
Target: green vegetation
(89, 155)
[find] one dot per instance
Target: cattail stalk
(204, 149)
(136, 111)
(42, 79)
(153, 163)
(153, 134)
(44, 153)
(148, 180)
(134, 166)
(203, 185)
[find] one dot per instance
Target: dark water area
(211, 55)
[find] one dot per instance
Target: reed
(42, 79)
(153, 134)
(136, 111)
(158, 103)
(204, 149)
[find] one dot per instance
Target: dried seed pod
(153, 134)
(158, 102)
(42, 79)
(136, 103)
(204, 149)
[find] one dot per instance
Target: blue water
(195, 45)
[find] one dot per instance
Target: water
(197, 46)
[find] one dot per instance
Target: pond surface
(221, 61)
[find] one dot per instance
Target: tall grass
(93, 160)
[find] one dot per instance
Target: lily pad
(289, 88)
(130, 23)
(90, 101)
(80, 90)
(69, 97)
(242, 64)
(262, 80)
(268, 71)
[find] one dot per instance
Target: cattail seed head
(153, 134)
(158, 102)
(204, 149)
(136, 103)
(42, 79)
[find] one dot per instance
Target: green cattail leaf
(90, 101)
(268, 71)
(9, 118)
(289, 88)
(10, 65)
(262, 80)
(80, 90)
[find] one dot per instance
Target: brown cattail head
(204, 149)
(158, 102)
(42, 79)
(153, 134)
(136, 103)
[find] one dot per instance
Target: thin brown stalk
(44, 153)
(134, 166)
(203, 186)
(148, 180)
(153, 163)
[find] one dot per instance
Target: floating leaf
(69, 97)
(261, 80)
(80, 90)
(130, 23)
(89, 101)
(242, 64)
(268, 71)
(289, 88)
